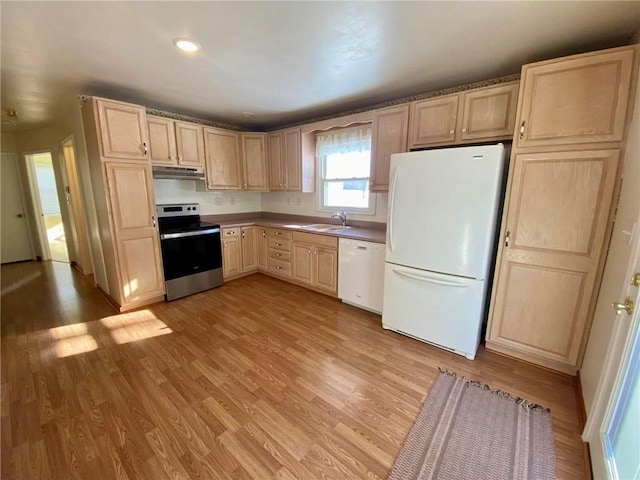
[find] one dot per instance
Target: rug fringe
(523, 402)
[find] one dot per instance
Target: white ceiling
(284, 61)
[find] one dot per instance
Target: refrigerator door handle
(393, 195)
(420, 278)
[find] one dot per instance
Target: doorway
(47, 205)
(16, 241)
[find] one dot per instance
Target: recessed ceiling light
(186, 45)
(247, 114)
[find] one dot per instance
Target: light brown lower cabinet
(548, 264)
(240, 250)
(263, 248)
(315, 261)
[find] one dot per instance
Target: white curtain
(344, 140)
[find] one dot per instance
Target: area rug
(466, 430)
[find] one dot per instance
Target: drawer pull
(278, 267)
(278, 233)
(278, 254)
(278, 244)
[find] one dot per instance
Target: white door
(620, 433)
(16, 246)
(443, 209)
(440, 309)
(603, 354)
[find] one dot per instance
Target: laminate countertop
(365, 231)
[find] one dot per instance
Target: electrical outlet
(218, 201)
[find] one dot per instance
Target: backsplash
(211, 203)
(296, 203)
(219, 203)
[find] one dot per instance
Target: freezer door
(443, 209)
(440, 309)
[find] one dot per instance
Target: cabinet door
(131, 198)
(489, 113)
(231, 257)
(292, 160)
(263, 248)
(326, 269)
(556, 222)
(189, 144)
(274, 146)
(224, 169)
(390, 127)
(583, 99)
(303, 263)
(162, 141)
(254, 161)
(123, 130)
(249, 248)
(433, 122)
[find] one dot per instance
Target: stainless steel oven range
(191, 250)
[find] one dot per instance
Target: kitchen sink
(323, 227)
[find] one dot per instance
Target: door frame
(615, 362)
(77, 207)
(23, 200)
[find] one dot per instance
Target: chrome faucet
(342, 215)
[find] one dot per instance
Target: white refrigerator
(441, 226)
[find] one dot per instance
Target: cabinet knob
(245, 185)
(179, 158)
(170, 157)
(451, 132)
(144, 147)
(464, 130)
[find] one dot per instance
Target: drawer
(279, 268)
(317, 240)
(278, 244)
(230, 232)
(279, 233)
(280, 255)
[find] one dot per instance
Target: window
(344, 164)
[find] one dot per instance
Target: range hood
(179, 173)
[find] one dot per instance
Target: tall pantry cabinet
(117, 145)
(570, 126)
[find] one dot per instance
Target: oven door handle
(167, 236)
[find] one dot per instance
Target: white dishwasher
(361, 274)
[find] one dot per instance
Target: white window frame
(320, 181)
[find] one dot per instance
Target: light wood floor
(257, 379)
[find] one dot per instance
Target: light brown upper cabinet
(254, 161)
(223, 163)
(175, 143)
(285, 161)
(122, 130)
(189, 144)
(132, 206)
(389, 136)
(488, 113)
(162, 141)
(482, 114)
(559, 205)
(433, 121)
(593, 90)
(274, 155)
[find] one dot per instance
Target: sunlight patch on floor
(134, 326)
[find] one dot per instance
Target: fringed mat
(466, 430)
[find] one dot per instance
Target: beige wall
(70, 123)
(8, 142)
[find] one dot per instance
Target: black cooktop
(189, 223)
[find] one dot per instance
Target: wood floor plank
(258, 379)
